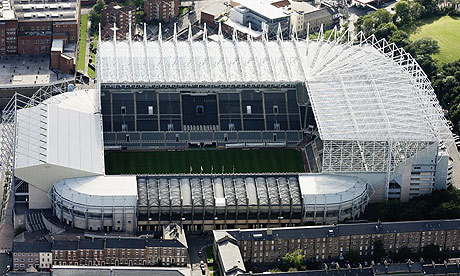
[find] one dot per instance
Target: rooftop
(215, 9)
(303, 7)
(229, 254)
(27, 71)
(352, 93)
(263, 8)
(119, 271)
(46, 9)
(122, 242)
(304, 232)
(325, 188)
(31, 247)
(99, 190)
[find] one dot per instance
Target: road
(5, 260)
(196, 244)
(6, 238)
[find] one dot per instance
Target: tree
(379, 250)
(431, 251)
(407, 12)
(431, 7)
(404, 253)
(140, 17)
(99, 6)
(402, 12)
(139, 4)
(400, 38)
(416, 10)
(385, 30)
(352, 256)
(421, 50)
(95, 15)
(294, 259)
(95, 18)
(423, 46)
(369, 23)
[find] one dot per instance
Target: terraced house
(331, 241)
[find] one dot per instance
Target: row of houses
(168, 250)
(330, 241)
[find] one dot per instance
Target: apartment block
(161, 10)
(119, 17)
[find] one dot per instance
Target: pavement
(6, 238)
(197, 243)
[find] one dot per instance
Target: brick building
(119, 16)
(29, 28)
(169, 250)
(323, 242)
(31, 254)
(161, 10)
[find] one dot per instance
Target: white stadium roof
(58, 138)
(360, 89)
(116, 191)
(330, 189)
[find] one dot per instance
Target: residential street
(195, 245)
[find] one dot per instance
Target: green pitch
(243, 161)
(446, 30)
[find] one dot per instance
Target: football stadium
(219, 133)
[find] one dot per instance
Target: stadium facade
(361, 109)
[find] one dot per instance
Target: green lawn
(82, 43)
(244, 161)
(446, 30)
(91, 72)
(209, 256)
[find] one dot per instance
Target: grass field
(446, 30)
(82, 43)
(244, 161)
(91, 72)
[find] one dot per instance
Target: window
(275, 137)
(127, 138)
(124, 127)
(231, 126)
(276, 126)
(123, 110)
(275, 109)
(248, 109)
(199, 110)
(177, 137)
(170, 127)
(225, 137)
(150, 109)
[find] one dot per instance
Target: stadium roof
(58, 138)
(113, 191)
(361, 89)
(330, 188)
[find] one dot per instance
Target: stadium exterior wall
(208, 202)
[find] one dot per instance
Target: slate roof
(31, 247)
(345, 229)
